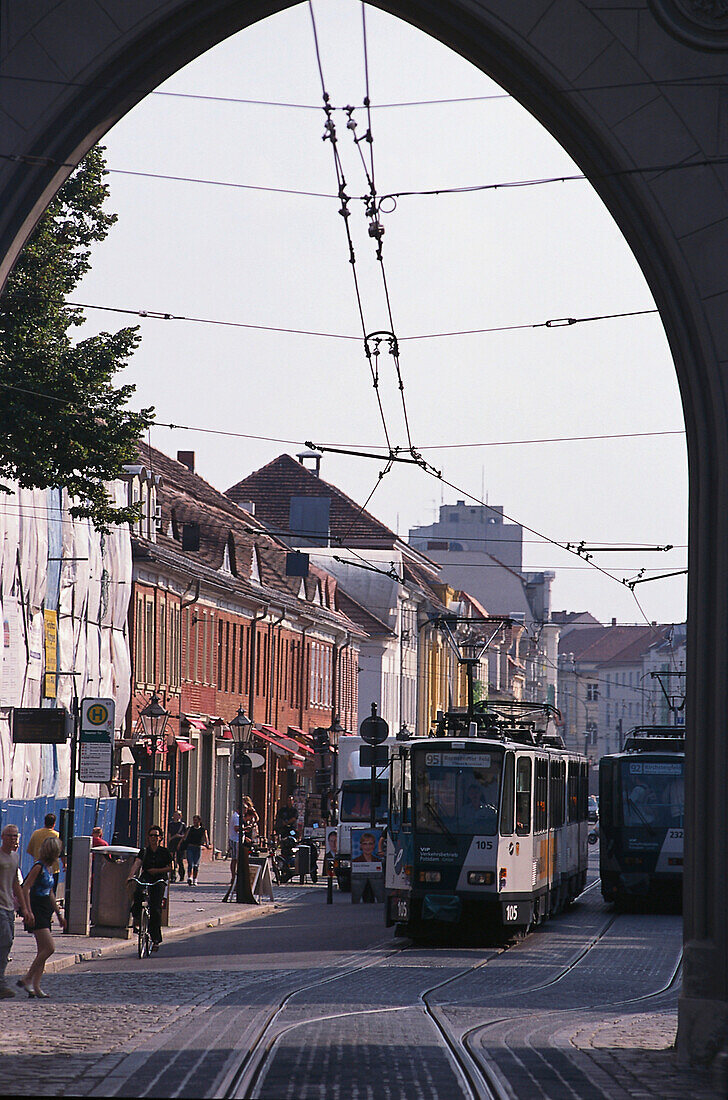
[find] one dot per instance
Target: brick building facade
(216, 624)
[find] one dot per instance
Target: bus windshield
(457, 792)
(356, 801)
(653, 792)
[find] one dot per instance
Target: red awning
(227, 733)
(196, 723)
(184, 746)
(279, 742)
(300, 739)
(288, 743)
(271, 740)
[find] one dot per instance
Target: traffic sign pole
(373, 730)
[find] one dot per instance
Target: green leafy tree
(62, 421)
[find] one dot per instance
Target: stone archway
(622, 85)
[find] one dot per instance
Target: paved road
(344, 1011)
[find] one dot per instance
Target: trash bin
(110, 895)
(303, 861)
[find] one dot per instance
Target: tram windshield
(457, 792)
(653, 793)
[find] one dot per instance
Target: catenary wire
(554, 322)
(429, 447)
(697, 81)
(330, 135)
(38, 161)
(376, 230)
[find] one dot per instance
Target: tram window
(395, 794)
(540, 818)
(507, 800)
(523, 796)
(556, 794)
(583, 791)
(573, 791)
(407, 792)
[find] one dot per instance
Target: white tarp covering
(92, 605)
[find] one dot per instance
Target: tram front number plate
(515, 912)
(399, 909)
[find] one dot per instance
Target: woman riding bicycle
(155, 863)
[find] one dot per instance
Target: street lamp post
(242, 729)
(154, 720)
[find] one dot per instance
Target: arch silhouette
(621, 85)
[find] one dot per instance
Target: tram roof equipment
(655, 739)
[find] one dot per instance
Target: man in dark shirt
(152, 865)
(287, 817)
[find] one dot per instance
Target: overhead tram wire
(713, 80)
(376, 229)
(554, 322)
(52, 162)
(330, 135)
(303, 442)
(546, 538)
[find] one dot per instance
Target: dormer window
(228, 558)
(191, 537)
(255, 567)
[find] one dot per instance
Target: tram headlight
(430, 876)
(481, 878)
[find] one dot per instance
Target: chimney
(187, 458)
(614, 622)
(303, 455)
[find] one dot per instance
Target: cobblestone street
(308, 1000)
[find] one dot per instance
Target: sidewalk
(191, 909)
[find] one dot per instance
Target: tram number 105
(511, 912)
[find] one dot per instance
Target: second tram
(641, 816)
(487, 822)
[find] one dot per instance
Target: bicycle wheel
(145, 939)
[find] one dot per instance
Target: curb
(53, 966)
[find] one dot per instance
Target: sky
(453, 262)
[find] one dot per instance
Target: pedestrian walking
(97, 838)
(176, 830)
(40, 898)
(36, 840)
(11, 894)
(195, 840)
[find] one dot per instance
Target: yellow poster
(50, 622)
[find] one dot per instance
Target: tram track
(479, 1081)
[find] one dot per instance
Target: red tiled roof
(611, 644)
(272, 487)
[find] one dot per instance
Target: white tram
(487, 822)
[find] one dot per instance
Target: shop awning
(288, 743)
(300, 738)
(226, 733)
(277, 748)
(184, 746)
(196, 723)
(280, 743)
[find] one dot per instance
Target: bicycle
(144, 942)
